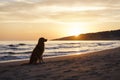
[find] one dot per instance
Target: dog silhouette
(37, 54)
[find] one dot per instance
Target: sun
(75, 30)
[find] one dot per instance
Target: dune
(102, 65)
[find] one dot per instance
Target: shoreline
(101, 65)
(82, 53)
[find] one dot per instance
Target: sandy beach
(102, 65)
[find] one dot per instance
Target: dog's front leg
(41, 60)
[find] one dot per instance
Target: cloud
(59, 10)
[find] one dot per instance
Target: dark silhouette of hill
(105, 35)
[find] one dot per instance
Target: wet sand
(102, 65)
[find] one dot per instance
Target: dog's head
(42, 39)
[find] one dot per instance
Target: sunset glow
(74, 31)
(30, 19)
(77, 28)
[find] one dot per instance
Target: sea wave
(22, 50)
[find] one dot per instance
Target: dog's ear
(40, 40)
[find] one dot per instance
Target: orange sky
(33, 33)
(31, 19)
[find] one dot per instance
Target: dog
(37, 54)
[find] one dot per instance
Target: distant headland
(105, 35)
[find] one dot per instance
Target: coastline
(15, 51)
(82, 53)
(101, 65)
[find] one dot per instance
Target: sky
(31, 19)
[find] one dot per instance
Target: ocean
(21, 50)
